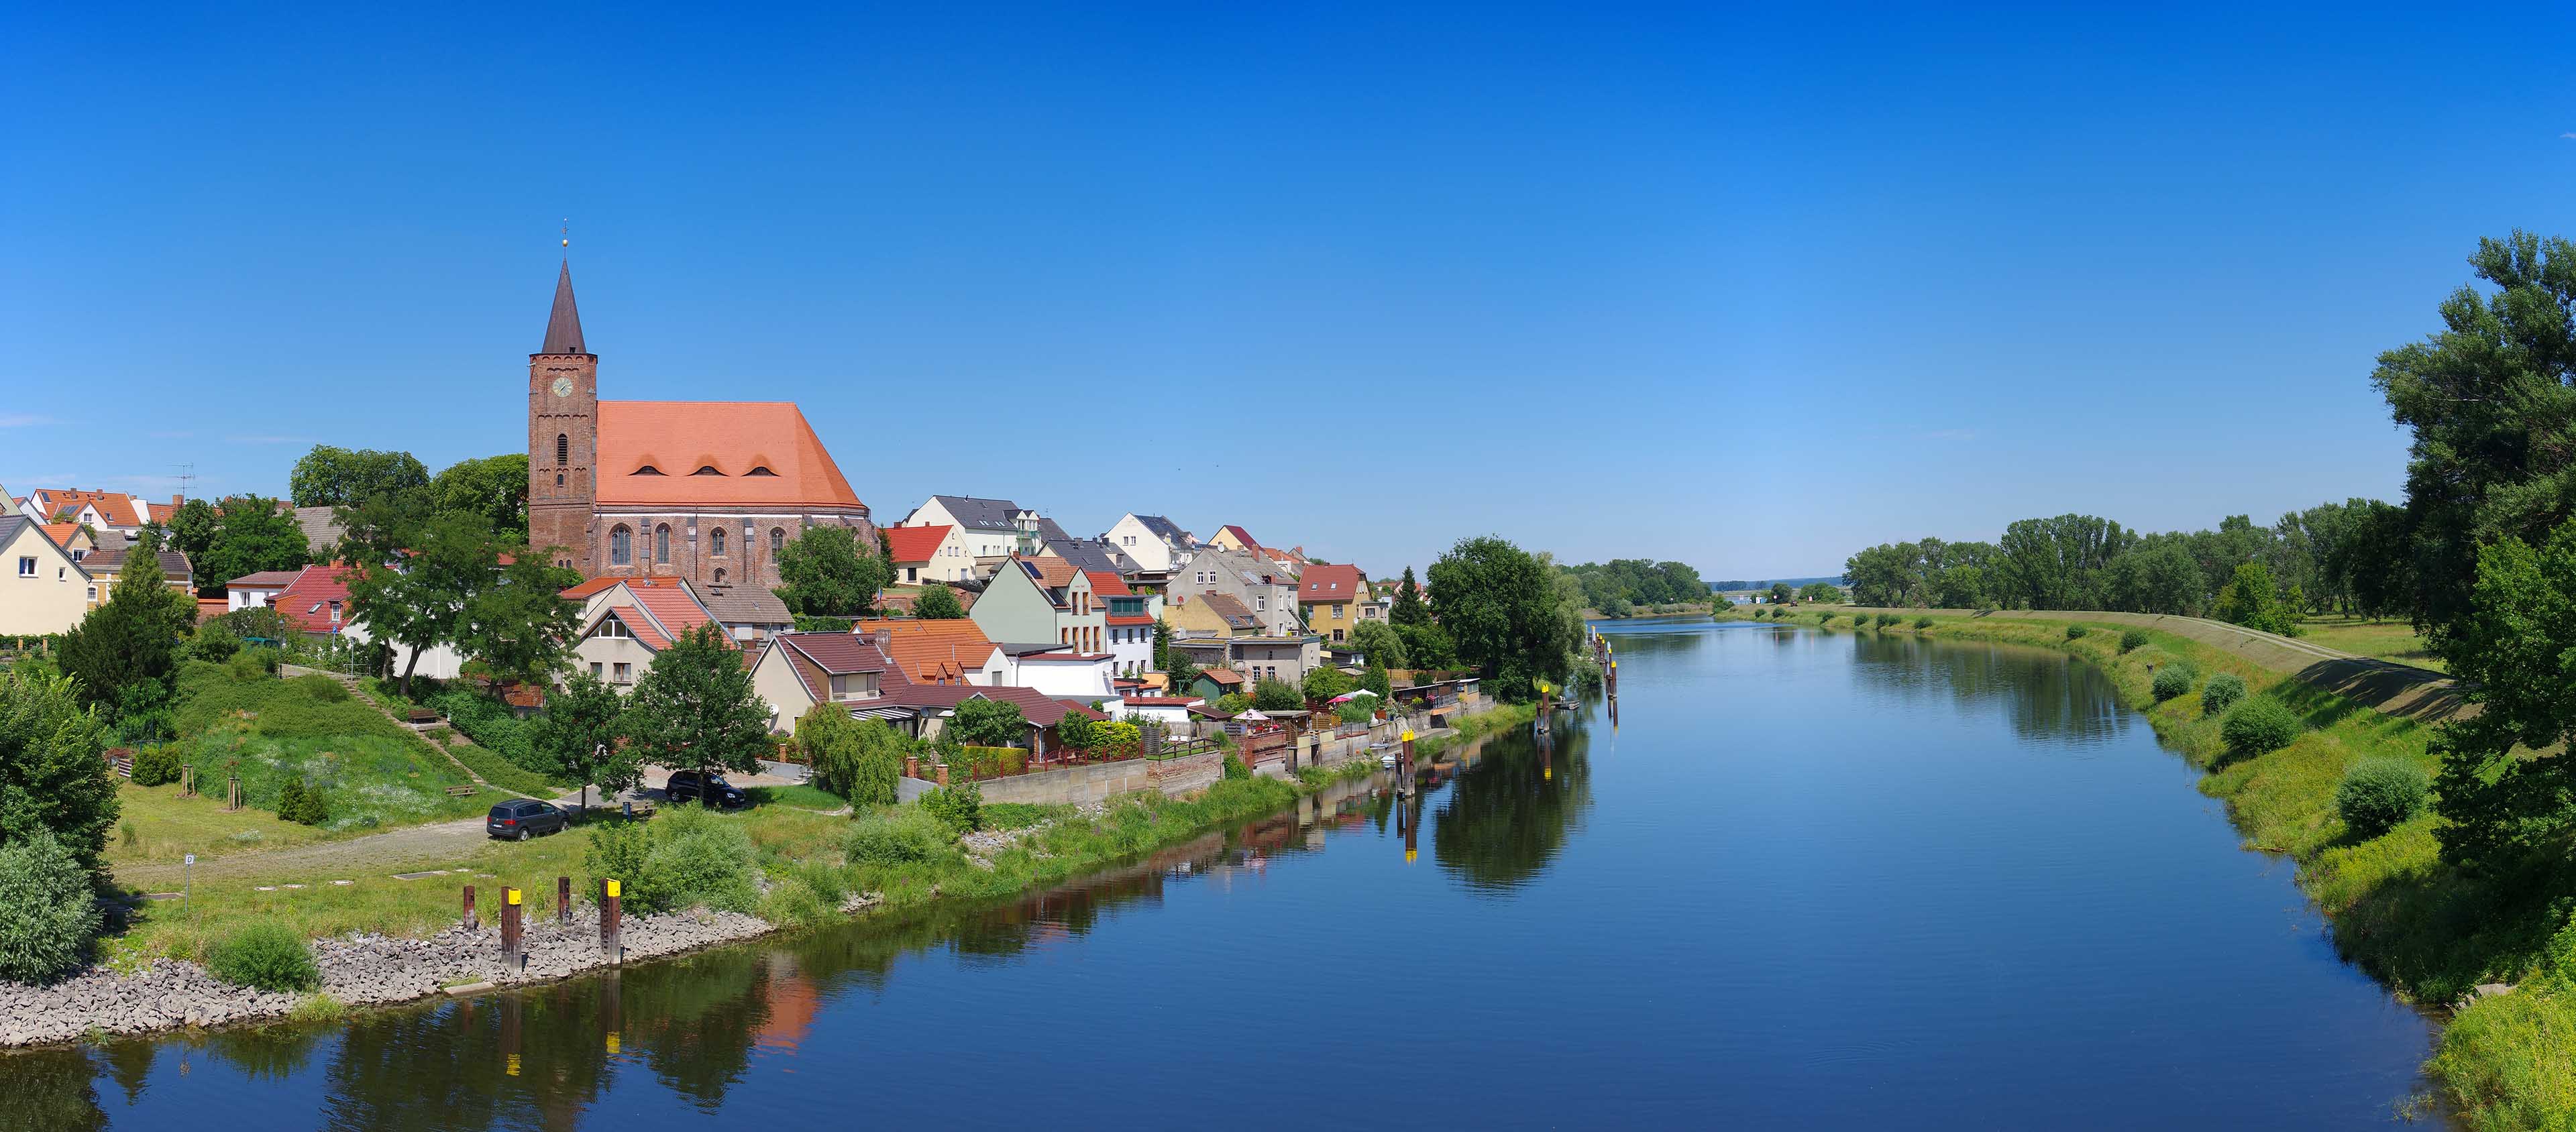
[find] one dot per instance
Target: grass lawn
(799, 796)
(2388, 640)
(266, 730)
(158, 826)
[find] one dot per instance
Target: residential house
(1083, 676)
(321, 531)
(1336, 599)
(1155, 543)
(105, 564)
(1171, 711)
(1236, 539)
(1129, 624)
(316, 602)
(1257, 582)
(940, 553)
(101, 511)
(626, 622)
(1217, 680)
(748, 613)
(75, 539)
(951, 651)
(992, 528)
(41, 588)
(257, 591)
(1032, 600)
(796, 671)
(1286, 658)
(1212, 614)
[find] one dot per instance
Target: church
(703, 490)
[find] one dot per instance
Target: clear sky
(1747, 288)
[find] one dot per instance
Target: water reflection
(1512, 809)
(2044, 695)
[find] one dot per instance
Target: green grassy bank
(2427, 930)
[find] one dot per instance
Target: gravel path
(323, 860)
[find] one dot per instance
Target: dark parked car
(524, 819)
(704, 789)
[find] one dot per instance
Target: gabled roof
(1334, 584)
(915, 544)
(982, 514)
(305, 603)
(321, 530)
(1087, 554)
(1236, 614)
(1165, 529)
(636, 623)
(1107, 584)
(589, 587)
(1050, 572)
(563, 323)
(114, 508)
(265, 579)
(763, 452)
(62, 534)
(746, 605)
(673, 609)
(1243, 536)
(110, 560)
(10, 525)
(1221, 676)
(1035, 706)
(930, 652)
(816, 657)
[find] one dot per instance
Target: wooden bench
(421, 716)
(463, 791)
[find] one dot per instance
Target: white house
(626, 622)
(1076, 675)
(1171, 711)
(991, 527)
(257, 591)
(1156, 543)
(938, 553)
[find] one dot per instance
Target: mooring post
(1404, 765)
(1614, 679)
(510, 927)
(563, 900)
(471, 922)
(609, 921)
(1412, 827)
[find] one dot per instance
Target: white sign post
(188, 882)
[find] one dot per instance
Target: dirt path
(2384, 686)
(442, 843)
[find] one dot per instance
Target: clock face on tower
(563, 387)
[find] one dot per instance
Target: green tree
(1379, 643)
(250, 534)
(857, 760)
(1408, 607)
(828, 573)
(413, 574)
(1830, 593)
(1428, 646)
(125, 653)
(1959, 587)
(1276, 695)
(330, 476)
(518, 626)
(1323, 682)
(580, 733)
(52, 775)
(1180, 672)
(695, 707)
(937, 603)
(192, 531)
(989, 723)
(1377, 680)
(2160, 576)
(2251, 600)
(494, 487)
(1503, 608)
(1162, 644)
(47, 914)
(2516, 659)
(1781, 594)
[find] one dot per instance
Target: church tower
(563, 436)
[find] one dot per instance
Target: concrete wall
(1090, 782)
(1191, 772)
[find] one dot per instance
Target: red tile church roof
(734, 437)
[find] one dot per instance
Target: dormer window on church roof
(648, 470)
(760, 470)
(706, 470)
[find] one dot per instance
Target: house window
(625, 673)
(777, 539)
(1337, 613)
(621, 546)
(912, 573)
(335, 613)
(93, 593)
(27, 567)
(856, 686)
(1337, 635)
(662, 544)
(558, 479)
(597, 670)
(1261, 603)
(715, 542)
(563, 450)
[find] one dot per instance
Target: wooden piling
(563, 900)
(510, 928)
(471, 922)
(610, 922)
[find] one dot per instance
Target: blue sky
(1743, 288)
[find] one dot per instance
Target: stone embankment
(357, 970)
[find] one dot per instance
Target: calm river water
(1808, 881)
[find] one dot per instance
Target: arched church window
(563, 450)
(662, 544)
(621, 546)
(777, 539)
(715, 542)
(558, 479)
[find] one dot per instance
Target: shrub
(1236, 768)
(1887, 619)
(959, 806)
(215, 642)
(313, 807)
(1923, 622)
(290, 799)
(2074, 632)
(2558, 957)
(857, 760)
(491, 724)
(247, 666)
(617, 852)
(2379, 794)
(1276, 695)
(156, 765)
(2132, 640)
(2258, 726)
(794, 902)
(2172, 680)
(899, 836)
(47, 917)
(699, 857)
(2221, 693)
(266, 955)
(323, 688)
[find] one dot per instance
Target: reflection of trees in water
(50, 1089)
(1506, 815)
(532, 1059)
(129, 1061)
(2043, 695)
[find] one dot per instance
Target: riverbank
(2431, 933)
(381, 939)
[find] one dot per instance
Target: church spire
(563, 327)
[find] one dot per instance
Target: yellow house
(1335, 599)
(41, 589)
(1211, 614)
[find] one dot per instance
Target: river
(1807, 880)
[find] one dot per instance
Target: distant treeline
(1616, 586)
(1741, 585)
(2334, 556)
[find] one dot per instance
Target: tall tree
(518, 626)
(192, 530)
(581, 732)
(2515, 656)
(495, 487)
(52, 775)
(1502, 607)
(937, 603)
(250, 534)
(413, 574)
(1408, 608)
(1380, 644)
(828, 574)
(696, 708)
(125, 653)
(331, 476)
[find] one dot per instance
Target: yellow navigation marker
(1408, 856)
(1408, 736)
(612, 1041)
(512, 1068)
(612, 891)
(514, 897)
